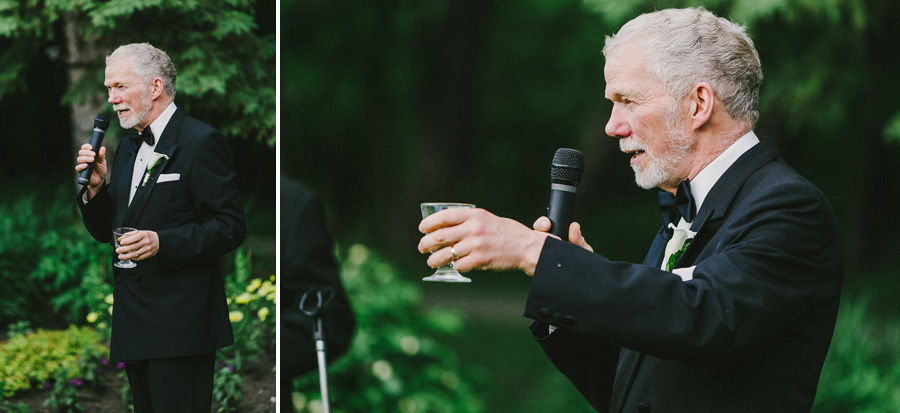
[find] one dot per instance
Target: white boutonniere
(155, 160)
(681, 239)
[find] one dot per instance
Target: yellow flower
(272, 278)
(110, 310)
(254, 285)
(263, 312)
(109, 299)
(92, 317)
(267, 287)
(244, 298)
(235, 316)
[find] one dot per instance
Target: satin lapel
(122, 175)
(655, 255)
(721, 194)
(710, 217)
(707, 222)
(167, 145)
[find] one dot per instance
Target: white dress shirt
(143, 155)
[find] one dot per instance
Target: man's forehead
(119, 71)
(626, 72)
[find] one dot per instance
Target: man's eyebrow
(618, 96)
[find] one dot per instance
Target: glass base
(447, 276)
(125, 264)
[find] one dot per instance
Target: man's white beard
(136, 117)
(677, 147)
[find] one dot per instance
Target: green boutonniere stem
(670, 265)
(157, 159)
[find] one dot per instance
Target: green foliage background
(224, 51)
(404, 102)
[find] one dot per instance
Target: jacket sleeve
(776, 258)
(218, 226)
(588, 362)
(97, 214)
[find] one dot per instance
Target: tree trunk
(84, 56)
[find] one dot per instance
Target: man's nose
(616, 127)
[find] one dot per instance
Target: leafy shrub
(46, 256)
(396, 362)
(251, 303)
(45, 356)
(862, 371)
(227, 389)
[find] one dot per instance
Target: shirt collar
(704, 181)
(159, 125)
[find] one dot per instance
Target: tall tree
(224, 51)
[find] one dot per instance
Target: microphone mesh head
(568, 164)
(102, 121)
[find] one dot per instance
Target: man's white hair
(688, 46)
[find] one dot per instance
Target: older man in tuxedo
(734, 306)
(173, 180)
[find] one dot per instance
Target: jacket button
(545, 312)
(556, 319)
(569, 321)
(138, 279)
(643, 408)
(118, 280)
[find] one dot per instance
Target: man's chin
(127, 123)
(645, 181)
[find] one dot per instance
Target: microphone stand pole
(319, 337)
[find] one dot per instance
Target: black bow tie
(674, 207)
(136, 137)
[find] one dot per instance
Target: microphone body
(101, 124)
(565, 174)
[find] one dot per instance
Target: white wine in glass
(444, 273)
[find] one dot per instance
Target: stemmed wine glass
(444, 273)
(118, 233)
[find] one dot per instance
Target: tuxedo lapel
(167, 146)
(711, 215)
(123, 174)
(708, 221)
(146, 185)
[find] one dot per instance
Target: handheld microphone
(101, 123)
(565, 174)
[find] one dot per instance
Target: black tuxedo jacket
(749, 332)
(172, 304)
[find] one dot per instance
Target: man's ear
(703, 99)
(156, 88)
